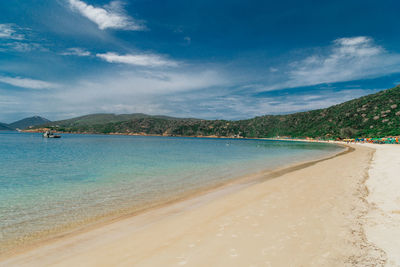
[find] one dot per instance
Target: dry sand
(307, 217)
(383, 219)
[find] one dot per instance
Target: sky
(199, 58)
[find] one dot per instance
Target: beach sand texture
(383, 219)
(308, 217)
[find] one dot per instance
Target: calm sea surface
(47, 185)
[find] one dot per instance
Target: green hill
(28, 122)
(5, 127)
(91, 120)
(23, 124)
(375, 115)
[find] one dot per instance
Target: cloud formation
(144, 60)
(27, 83)
(111, 16)
(217, 104)
(15, 38)
(9, 31)
(149, 91)
(347, 59)
(22, 47)
(76, 51)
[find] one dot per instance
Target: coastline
(328, 215)
(220, 189)
(41, 130)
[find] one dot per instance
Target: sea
(48, 186)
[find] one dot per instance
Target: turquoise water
(49, 184)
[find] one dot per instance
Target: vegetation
(375, 115)
(28, 122)
(5, 127)
(94, 120)
(23, 124)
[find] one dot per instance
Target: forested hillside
(375, 115)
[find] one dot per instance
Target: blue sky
(206, 59)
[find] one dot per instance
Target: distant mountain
(5, 127)
(105, 118)
(375, 115)
(28, 122)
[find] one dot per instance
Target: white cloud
(127, 91)
(111, 16)
(357, 47)
(223, 104)
(9, 31)
(346, 59)
(144, 60)
(7, 101)
(27, 83)
(134, 83)
(76, 51)
(271, 69)
(14, 40)
(349, 59)
(22, 47)
(360, 40)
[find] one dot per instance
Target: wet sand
(310, 215)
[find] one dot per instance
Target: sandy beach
(382, 225)
(316, 214)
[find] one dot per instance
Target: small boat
(49, 134)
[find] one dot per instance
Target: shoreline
(220, 189)
(309, 140)
(382, 222)
(341, 223)
(41, 130)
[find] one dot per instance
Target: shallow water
(49, 184)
